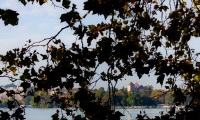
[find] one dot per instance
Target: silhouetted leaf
(160, 79)
(11, 104)
(65, 3)
(25, 85)
(9, 16)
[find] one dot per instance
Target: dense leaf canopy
(142, 37)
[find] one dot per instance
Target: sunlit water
(129, 114)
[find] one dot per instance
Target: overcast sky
(38, 22)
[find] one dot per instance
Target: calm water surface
(130, 114)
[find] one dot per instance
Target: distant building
(137, 88)
(64, 91)
(130, 87)
(12, 87)
(136, 85)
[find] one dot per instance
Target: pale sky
(38, 22)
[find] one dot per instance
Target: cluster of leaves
(137, 39)
(9, 16)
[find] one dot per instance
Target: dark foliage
(137, 39)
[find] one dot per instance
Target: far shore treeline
(146, 97)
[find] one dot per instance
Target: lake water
(130, 114)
